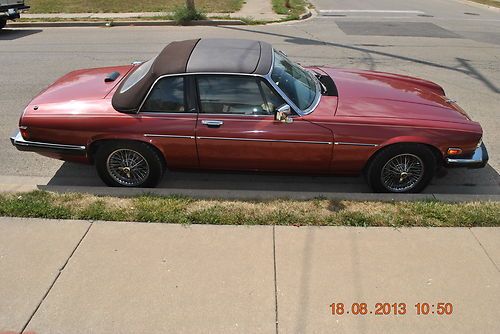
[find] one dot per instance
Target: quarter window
(166, 96)
(273, 100)
(136, 76)
(232, 94)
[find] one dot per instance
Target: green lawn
(493, 3)
(184, 210)
(122, 6)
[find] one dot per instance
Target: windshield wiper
(317, 76)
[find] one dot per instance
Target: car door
(236, 129)
(168, 120)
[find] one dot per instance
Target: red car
(241, 105)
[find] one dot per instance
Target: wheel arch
(94, 146)
(437, 153)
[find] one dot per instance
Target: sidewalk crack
(56, 278)
(484, 250)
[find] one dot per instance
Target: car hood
(387, 95)
(81, 85)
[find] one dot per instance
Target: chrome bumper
(12, 12)
(25, 145)
(478, 160)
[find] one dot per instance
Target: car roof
(206, 55)
(214, 55)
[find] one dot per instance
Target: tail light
(24, 132)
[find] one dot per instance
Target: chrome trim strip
(19, 140)
(168, 136)
(278, 89)
(355, 144)
(269, 140)
(222, 116)
(265, 77)
(156, 113)
(299, 111)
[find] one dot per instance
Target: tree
(190, 5)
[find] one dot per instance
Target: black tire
(3, 23)
(114, 157)
(389, 173)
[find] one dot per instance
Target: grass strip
(128, 6)
(493, 3)
(184, 210)
(292, 8)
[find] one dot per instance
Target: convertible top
(197, 56)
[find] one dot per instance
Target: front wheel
(129, 164)
(403, 168)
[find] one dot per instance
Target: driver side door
(236, 129)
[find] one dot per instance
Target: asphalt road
(454, 43)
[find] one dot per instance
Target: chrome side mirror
(283, 114)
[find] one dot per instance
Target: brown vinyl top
(195, 56)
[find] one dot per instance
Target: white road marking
(329, 17)
(340, 11)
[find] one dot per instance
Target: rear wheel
(403, 168)
(129, 164)
(3, 23)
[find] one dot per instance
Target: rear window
(137, 75)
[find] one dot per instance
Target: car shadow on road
(11, 34)
(457, 181)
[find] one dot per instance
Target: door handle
(210, 123)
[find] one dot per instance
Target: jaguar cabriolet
(242, 105)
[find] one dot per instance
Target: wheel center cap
(403, 176)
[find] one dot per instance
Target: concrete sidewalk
(102, 277)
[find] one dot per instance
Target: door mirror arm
(282, 114)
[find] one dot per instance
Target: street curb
(268, 195)
(111, 23)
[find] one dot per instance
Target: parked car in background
(10, 10)
(242, 105)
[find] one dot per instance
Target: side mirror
(283, 114)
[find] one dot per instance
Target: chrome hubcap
(127, 167)
(402, 173)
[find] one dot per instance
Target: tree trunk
(190, 5)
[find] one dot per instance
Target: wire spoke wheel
(128, 167)
(402, 172)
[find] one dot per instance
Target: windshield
(294, 81)
(137, 75)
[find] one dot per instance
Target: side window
(231, 94)
(166, 96)
(273, 100)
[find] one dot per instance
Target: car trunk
(81, 85)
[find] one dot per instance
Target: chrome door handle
(211, 123)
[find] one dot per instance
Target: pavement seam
(484, 249)
(55, 279)
(275, 281)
